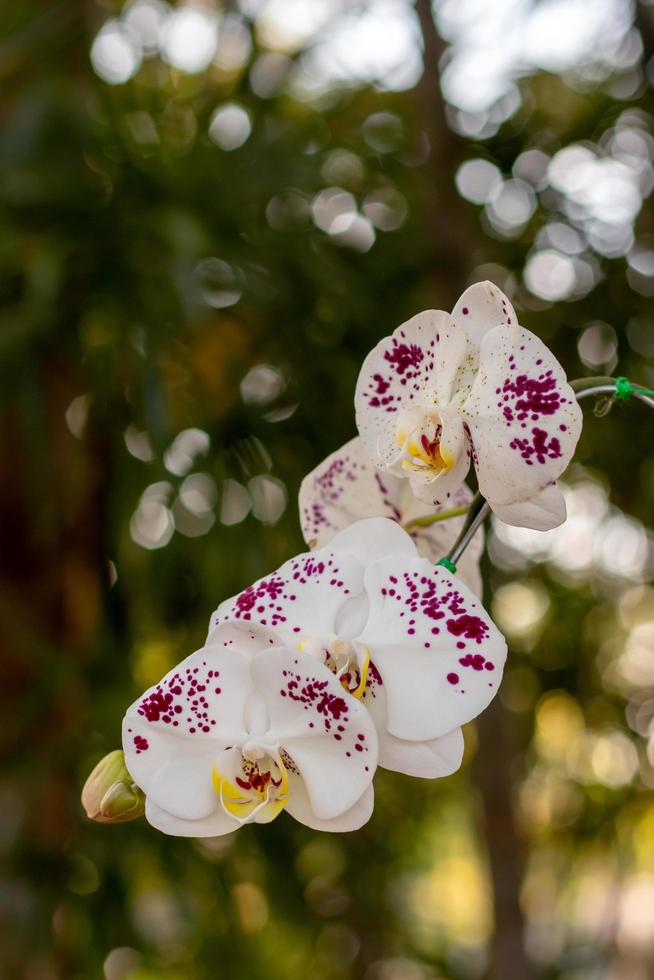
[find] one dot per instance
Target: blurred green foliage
(146, 276)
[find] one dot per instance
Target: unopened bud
(110, 795)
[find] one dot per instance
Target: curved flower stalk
(408, 640)
(346, 487)
(445, 389)
(243, 729)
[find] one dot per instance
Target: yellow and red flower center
(348, 659)
(420, 435)
(251, 784)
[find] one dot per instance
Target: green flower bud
(110, 795)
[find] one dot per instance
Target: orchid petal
(172, 733)
(427, 759)
(346, 487)
(455, 362)
(542, 512)
(329, 736)
(394, 376)
(438, 653)
(433, 759)
(482, 307)
(368, 541)
(304, 595)
(299, 806)
(523, 417)
(372, 539)
(215, 824)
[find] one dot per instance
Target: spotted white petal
(439, 656)
(542, 512)
(482, 307)
(305, 595)
(396, 375)
(346, 487)
(407, 404)
(523, 417)
(328, 735)
(428, 759)
(172, 733)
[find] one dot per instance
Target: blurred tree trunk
(493, 767)
(453, 238)
(450, 231)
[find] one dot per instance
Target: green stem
(477, 513)
(611, 390)
(581, 384)
(444, 515)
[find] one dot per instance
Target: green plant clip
(624, 389)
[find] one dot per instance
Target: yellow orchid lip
(423, 451)
(254, 794)
(363, 670)
(342, 657)
(447, 458)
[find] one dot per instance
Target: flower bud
(110, 795)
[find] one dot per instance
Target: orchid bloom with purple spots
(407, 640)
(346, 487)
(245, 728)
(445, 389)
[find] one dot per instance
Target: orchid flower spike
(407, 640)
(346, 487)
(447, 388)
(243, 729)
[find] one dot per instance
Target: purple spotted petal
(346, 487)
(436, 650)
(396, 375)
(304, 596)
(173, 732)
(328, 734)
(430, 759)
(522, 415)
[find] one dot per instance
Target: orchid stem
(477, 513)
(444, 515)
(583, 388)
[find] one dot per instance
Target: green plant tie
(624, 389)
(446, 563)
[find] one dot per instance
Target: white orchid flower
(346, 487)
(407, 639)
(243, 729)
(447, 388)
